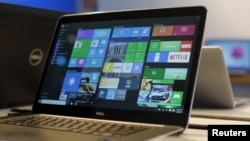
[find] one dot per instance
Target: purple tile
(180, 30)
(84, 34)
(80, 62)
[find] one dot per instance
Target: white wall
(226, 18)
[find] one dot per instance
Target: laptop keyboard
(76, 125)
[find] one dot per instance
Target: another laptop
(236, 54)
(214, 89)
(118, 75)
(25, 36)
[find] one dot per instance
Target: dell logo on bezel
(100, 113)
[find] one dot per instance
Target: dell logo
(35, 57)
(100, 113)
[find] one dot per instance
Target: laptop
(236, 54)
(24, 43)
(214, 89)
(118, 75)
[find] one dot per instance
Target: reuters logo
(36, 57)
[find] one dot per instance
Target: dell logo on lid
(36, 57)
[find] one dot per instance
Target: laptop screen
(236, 54)
(138, 62)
